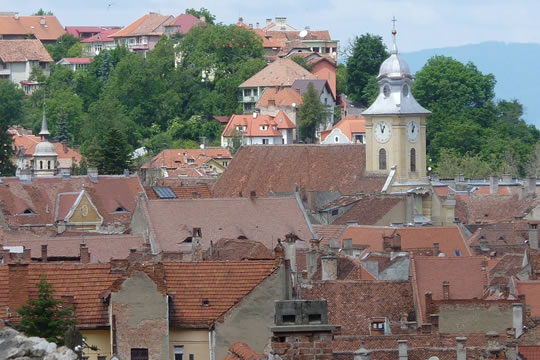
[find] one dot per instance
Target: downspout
(210, 343)
(213, 344)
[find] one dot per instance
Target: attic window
(205, 302)
(457, 252)
(120, 209)
(28, 212)
(188, 240)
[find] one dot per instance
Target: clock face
(383, 131)
(413, 130)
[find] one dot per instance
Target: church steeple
(44, 133)
(45, 155)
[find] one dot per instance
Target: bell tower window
(382, 159)
(413, 160)
(49, 164)
(40, 164)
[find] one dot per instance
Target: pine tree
(114, 153)
(63, 129)
(310, 114)
(45, 316)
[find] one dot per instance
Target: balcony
(247, 99)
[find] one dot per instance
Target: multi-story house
(45, 28)
(143, 34)
(256, 129)
(86, 32)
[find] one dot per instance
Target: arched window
(413, 160)
(49, 164)
(40, 164)
(382, 159)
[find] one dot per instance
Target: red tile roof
(149, 24)
(529, 352)
(531, 290)
(254, 125)
(279, 96)
(492, 208)
(327, 232)
(84, 60)
(237, 250)
(282, 72)
(242, 351)
(348, 125)
(184, 22)
(51, 30)
(369, 210)
(312, 167)
(26, 145)
(41, 196)
(259, 219)
(102, 36)
(183, 192)
(23, 51)
(77, 30)
(352, 304)
(465, 275)
(223, 284)
(173, 158)
(449, 238)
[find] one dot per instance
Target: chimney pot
(44, 253)
(329, 267)
(461, 351)
(84, 254)
(196, 245)
(493, 184)
(402, 349)
(517, 318)
(446, 290)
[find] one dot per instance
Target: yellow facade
(193, 341)
(85, 212)
(99, 338)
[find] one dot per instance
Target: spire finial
(44, 130)
(394, 32)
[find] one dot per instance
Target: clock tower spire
(396, 125)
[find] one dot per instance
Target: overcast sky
(422, 24)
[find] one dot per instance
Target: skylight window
(28, 212)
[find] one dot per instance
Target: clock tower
(396, 126)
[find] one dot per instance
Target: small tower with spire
(396, 126)
(45, 155)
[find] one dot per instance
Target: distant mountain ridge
(513, 64)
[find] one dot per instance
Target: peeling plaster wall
(475, 318)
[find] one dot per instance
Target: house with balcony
(280, 73)
(19, 57)
(257, 129)
(143, 34)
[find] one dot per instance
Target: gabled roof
(279, 96)
(531, 290)
(301, 85)
(102, 36)
(73, 61)
(45, 28)
(41, 196)
(184, 22)
(23, 51)
(260, 219)
(149, 24)
(25, 145)
(254, 125)
(77, 30)
(492, 208)
(465, 275)
(242, 351)
(312, 167)
(282, 72)
(369, 210)
(182, 192)
(349, 125)
(450, 239)
(237, 250)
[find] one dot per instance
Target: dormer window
(379, 326)
(28, 212)
(264, 127)
(120, 210)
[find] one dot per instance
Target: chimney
(27, 255)
(42, 21)
(459, 178)
(312, 258)
(64, 146)
(185, 157)
(329, 267)
(84, 254)
(533, 236)
(92, 174)
(531, 185)
(446, 290)
(268, 21)
(362, 354)
(428, 300)
(250, 26)
(196, 245)
(461, 351)
(290, 250)
(402, 349)
(252, 194)
(25, 176)
(347, 247)
(409, 209)
(311, 200)
(17, 288)
(436, 249)
(493, 184)
(507, 179)
(257, 25)
(517, 318)
(126, 172)
(66, 173)
(44, 253)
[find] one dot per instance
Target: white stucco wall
(336, 133)
(19, 72)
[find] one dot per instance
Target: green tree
(310, 114)
(300, 60)
(341, 79)
(62, 133)
(368, 53)
(11, 106)
(60, 49)
(209, 18)
(42, 12)
(45, 316)
(114, 153)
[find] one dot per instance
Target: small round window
(386, 90)
(405, 90)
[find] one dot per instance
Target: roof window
(120, 209)
(28, 212)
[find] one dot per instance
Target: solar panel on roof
(164, 192)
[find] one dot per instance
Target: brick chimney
(301, 330)
(461, 351)
(196, 245)
(310, 194)
(84, 254)
(446, 290)
(436, 249)
(18, 287)
(44, 253)
(329, 267)
(64, 146)
(312, 258)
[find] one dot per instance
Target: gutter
(304, 212)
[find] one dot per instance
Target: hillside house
(19, 57)
(254, 129)
(47, 29)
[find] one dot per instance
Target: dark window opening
(289, 319)
(178, 353)
(139, 354)
(382, 159)
(188, 240)
(205, 302)
(120, 209)
(28, 212)
(334, 212)
(314, 318)
(413, 160)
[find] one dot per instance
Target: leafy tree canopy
(300, 60)
(42, 12)
(209, 18)
(310, 114)
(62, 46)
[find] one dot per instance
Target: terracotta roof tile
(184, 22)
(529, 352)
(279, 96)
(351, 304)
(183, 192)
(222, 284)
(259, 219)
(531, 290)
(499, 237)
(348, 125)
(242, 351)
(492, 208)
(24, 25)
(312, 167)
(327, 232)
(173, 158)
(26, 145)
(149, 24)
(84, 60)
(507, 266)
(282, 72)
(369, 210)
(254, 125)
(23, 51)
(102, 36)
(237, 250)
(465, 275)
